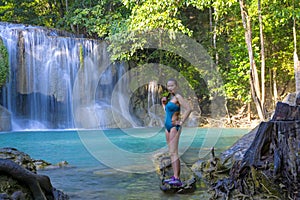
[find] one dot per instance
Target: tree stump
(270, 168)
(272, 161)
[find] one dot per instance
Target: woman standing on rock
(173, 122)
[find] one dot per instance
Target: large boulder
(5, 119)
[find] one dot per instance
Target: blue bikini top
(172, 107)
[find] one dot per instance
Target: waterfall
(49, 86)
(153, 105)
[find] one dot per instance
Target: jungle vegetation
(253, 43)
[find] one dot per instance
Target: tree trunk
(297, 72)
(275, 92)
(296, 60)
(272, 159)
(270, 166)
(67, 5)
(213, 29)
(254, 81)
(211, 23)
(215, 39)
(249, 112)
(262, 46)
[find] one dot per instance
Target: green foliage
(97, 19)
(236, 72)
(277, 21)
(188, 71)
(145, 17)
(4, 66)
(34, 12)
(123, 22)
(157, 14)
(81, 56)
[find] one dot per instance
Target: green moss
(4, 66)
(81, 56)
(8, 186)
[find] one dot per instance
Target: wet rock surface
(162, 163)
(19, 178)
(5, 119)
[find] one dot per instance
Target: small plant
(4, 66)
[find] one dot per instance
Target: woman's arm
(187, 108)
(164, 102)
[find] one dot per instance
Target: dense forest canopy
(253, 43)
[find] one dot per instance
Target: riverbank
(233, 122)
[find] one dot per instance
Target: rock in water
(162, 162)
(19, 178)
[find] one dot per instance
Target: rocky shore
(19, 178)
(201, 172)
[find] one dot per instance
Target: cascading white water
(44, 66)
(153, 102)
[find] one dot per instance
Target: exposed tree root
(39, 185)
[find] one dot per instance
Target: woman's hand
(177, 123)
(164, 100)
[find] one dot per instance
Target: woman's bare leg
(173, 140)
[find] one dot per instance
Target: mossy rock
(12, 188)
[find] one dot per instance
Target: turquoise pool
(114, 163)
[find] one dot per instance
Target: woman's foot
(175, 182)
(168, 180)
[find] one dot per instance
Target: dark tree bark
(39, 185)
(270, 167)
(272, 159)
